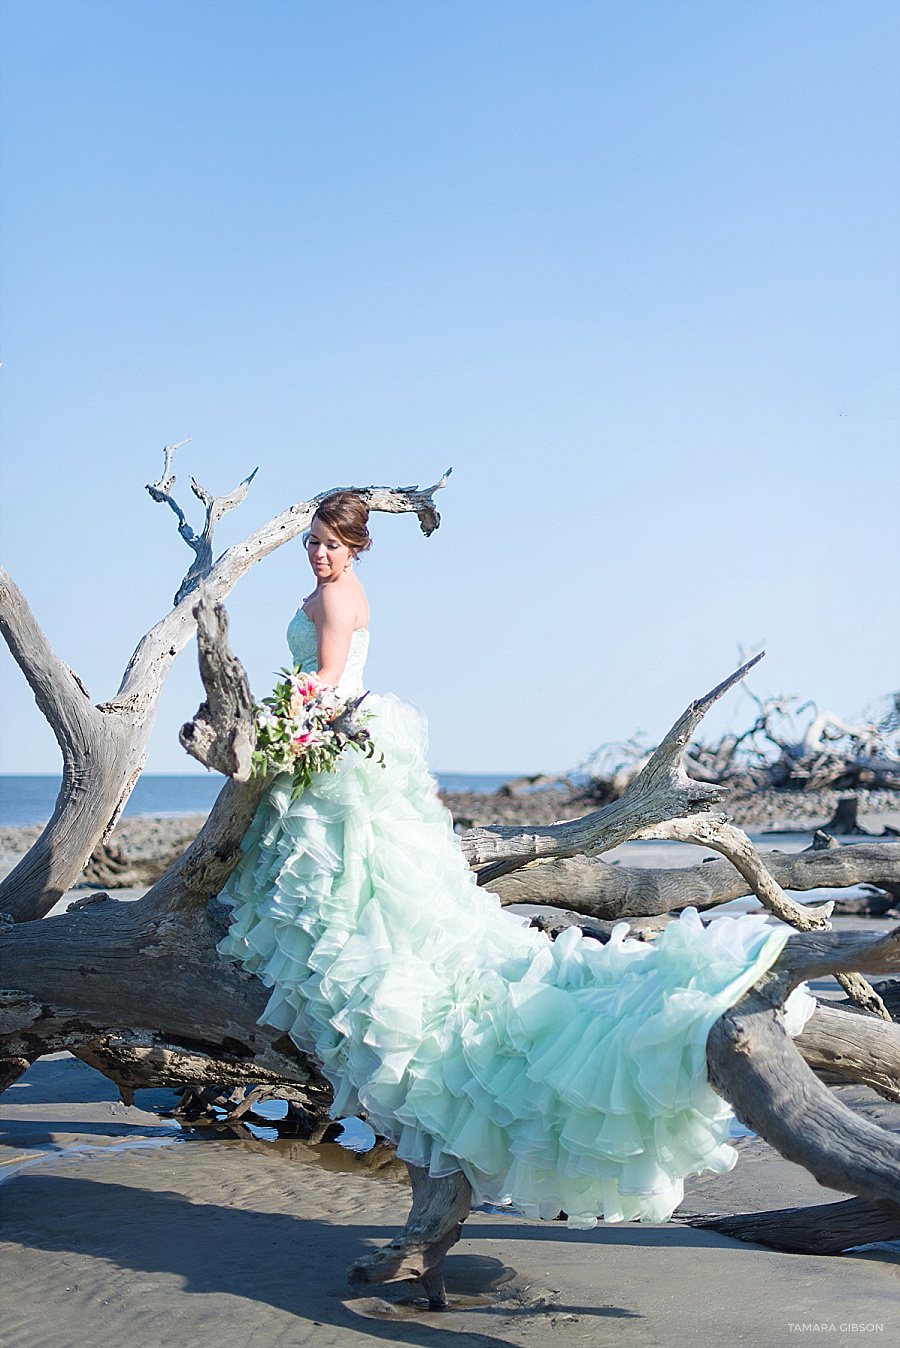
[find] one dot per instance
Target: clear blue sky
(631, 268)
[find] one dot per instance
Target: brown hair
(347, 516)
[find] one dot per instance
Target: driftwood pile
(138, 991)
(776, 752)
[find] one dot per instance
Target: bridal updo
(347, 516)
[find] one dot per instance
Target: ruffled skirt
(563, 1075)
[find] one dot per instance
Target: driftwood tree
(103, 746)
(790, 745)
(139, 991)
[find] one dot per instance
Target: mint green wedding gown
(559, 1075)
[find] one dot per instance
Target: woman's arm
(334, 619)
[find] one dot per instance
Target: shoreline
(146, 836)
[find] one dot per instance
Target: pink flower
(306, 685)
(305, 739)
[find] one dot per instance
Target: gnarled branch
(58, 691)
(736, 846)
(849, 1046)
(222, 734)
(434, 1225)
(718, 834)
(754, 1064)
(661, 790)
(216, 507)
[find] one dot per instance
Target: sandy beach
(120, 1226)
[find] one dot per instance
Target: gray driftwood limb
(755, 1065)
(847, 1046)
(102, 755)
(216, 507)
(733, 843)
(592, 886)
(827, 1228)
(720, 835)
(661, 790)
(222, 734)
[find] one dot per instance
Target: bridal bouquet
(304, 727)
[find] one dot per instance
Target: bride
(564, 1075)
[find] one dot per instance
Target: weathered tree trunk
(661, 790)
(756, 1066)
(847, 1046)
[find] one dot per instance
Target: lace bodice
(301, 637)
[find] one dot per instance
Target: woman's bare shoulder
(344, 603)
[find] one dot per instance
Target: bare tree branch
(216, 507)
(416, 1253)
(853, 1047)
(754, 1064)
(660, 791)
(161, 490)
(736, 846)
(58, 691)
(719, 835)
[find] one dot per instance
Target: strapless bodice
(301, 637)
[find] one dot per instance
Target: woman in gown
(564, 1075)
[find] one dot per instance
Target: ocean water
(30, 799)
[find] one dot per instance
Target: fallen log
(827, 1228)
(847, 1046)
(592, 886)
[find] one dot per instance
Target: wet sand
(118, 1232)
